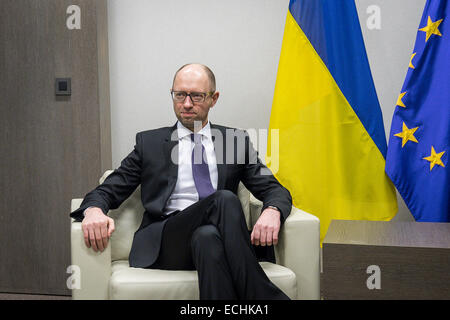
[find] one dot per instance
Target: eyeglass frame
(205, 95)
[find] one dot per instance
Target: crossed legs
(211, 236)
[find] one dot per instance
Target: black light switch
(63, 87)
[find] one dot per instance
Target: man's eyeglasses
(180, 96)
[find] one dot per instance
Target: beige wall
(241, 41)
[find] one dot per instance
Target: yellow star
(431, 28)
(410, 61)
(407, 135)
(435, 158)
(399, 100)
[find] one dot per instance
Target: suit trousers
(211, 236)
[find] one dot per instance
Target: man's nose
(188, 102)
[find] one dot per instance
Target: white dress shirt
(185, 193)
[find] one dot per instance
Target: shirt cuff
(273, 207)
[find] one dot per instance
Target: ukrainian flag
(332, 144)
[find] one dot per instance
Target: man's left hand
(265, 230)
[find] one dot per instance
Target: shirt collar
(183, 131)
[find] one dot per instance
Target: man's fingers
(92, 239)
(266, 228)
(104, 233)
(275, 236)
(256, 235)
(263, 237)
(97, 228)
(98, 238)
(269, 237)
(86, 236)
(111, 227)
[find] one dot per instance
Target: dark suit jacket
(150, 166)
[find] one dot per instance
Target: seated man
(189, 175)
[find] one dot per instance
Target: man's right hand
(97, 228)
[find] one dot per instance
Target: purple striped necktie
(200, 170)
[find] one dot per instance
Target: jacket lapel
(171, 157)
(219, 140)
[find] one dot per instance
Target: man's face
(193, 79)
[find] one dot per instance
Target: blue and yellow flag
(332, 142)
(417, 159)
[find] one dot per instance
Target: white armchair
(107, 274)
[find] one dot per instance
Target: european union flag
(417, 158)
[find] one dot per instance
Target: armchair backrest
(128, 217)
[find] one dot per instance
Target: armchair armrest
(298, 249)
(95, 267)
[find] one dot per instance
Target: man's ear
(215, 97)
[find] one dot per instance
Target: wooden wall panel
(52, 148)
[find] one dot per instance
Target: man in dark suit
(189, 175)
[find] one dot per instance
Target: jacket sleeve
(259, 180)
(117, 187)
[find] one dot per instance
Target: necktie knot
(196, 138)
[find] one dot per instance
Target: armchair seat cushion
(138, 284)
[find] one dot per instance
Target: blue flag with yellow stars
(417, 158)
